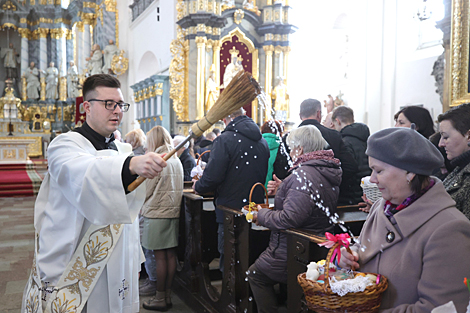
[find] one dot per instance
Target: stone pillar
(81, 57)
(69, 47)
(286, 51)
(201, 70)
(43, 48)
(277, 68)
(25, 34)
(87, 39)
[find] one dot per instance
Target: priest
(88, 254)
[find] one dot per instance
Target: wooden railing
(198, 247)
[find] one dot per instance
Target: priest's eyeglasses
(111, 105)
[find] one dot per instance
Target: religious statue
(52, 79)
(212, 89)
(11, 60)
(108, 53)
(32, 81)
(227, 4)
(329, 104)
(95, 61)
(72, 81)
(10, 105)
(281, 99)
(233, 68)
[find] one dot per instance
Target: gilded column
(200, 73)
(25, 34)
(269, 78)
(286, 51)
(216, 60)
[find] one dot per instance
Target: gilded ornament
(268, 37)
(81, 273)
(201, 28)
(9, 25)
(178, 90)
(210, 6)
(119, 64)
(24, 32)
(238, 16)
(63, 89)
(9, 6)
(43, 88)
(111, 5)
(181, 10)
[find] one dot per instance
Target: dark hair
(420, 117)
(273, 127)
(309, 108)
(419, 182)
(216, 131)
(459, 117)
(99, 80)
(345, 114)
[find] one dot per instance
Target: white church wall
(385, 69)
(148, 40)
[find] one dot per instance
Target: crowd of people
(313, 170)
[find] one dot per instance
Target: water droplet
(246, 153)
(250, 299)
(236, 167)
(333, 188)
(251, 147)
(247, 163)
(234, 135)
(241, 156)
(244, 200)
(254, 272)
(246, 279)
(239, 140)
(247, 272)
(321, 185)
(255, 156)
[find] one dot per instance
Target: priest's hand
(148, 165)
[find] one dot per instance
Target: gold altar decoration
(63, 89)
(23, 84)
(178, 75)
(10, 99)
(238, 16)
(119, 64)
(9, 6)
(43, 88)
(459, 58)
(255, 64)
(34, 149)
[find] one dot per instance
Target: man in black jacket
(355, 136)
(310, 114)
(238, 160)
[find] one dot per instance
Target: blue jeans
(220, 232)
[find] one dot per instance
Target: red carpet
(20, 180)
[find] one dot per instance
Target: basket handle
(197, 163)
(327, 264)
(265, 191)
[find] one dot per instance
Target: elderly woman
(455, 139)
(161, 212)
(315, 177)
(414, 236)
(137, 139)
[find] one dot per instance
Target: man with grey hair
(310, 114)
(238, 160)
(185, 157)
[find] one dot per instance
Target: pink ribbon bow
(332, 240)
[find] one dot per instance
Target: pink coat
(429, 257)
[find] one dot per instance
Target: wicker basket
(197, 176)
(321, 299)
(372, 192)
(255, 206)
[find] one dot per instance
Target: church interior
(175, 57)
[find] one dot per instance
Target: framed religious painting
(458, 70)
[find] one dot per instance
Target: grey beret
(406, 149)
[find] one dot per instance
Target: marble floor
(16, 254)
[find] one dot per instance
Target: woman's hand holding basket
(348, 259)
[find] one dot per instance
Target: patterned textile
(391, 209)
(316, 155)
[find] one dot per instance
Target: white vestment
(84, 186)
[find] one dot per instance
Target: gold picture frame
(459, 88)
